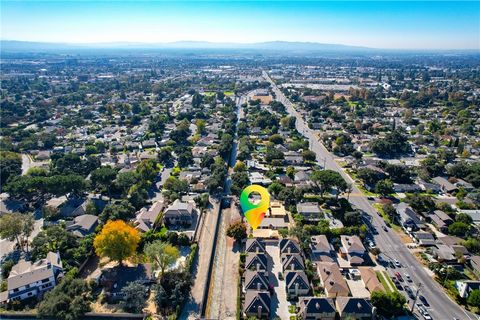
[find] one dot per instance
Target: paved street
(441, 306)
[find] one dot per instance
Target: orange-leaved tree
(117, 241)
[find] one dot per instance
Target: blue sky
(379, 24)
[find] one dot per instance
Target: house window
(15, 290)
(29, 294)
(45, 280)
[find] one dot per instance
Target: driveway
(279, 304)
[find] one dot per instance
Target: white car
(397, 263)
(407, 276)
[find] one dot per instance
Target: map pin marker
(254, 213)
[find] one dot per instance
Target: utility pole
(416, 296)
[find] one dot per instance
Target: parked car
(409, 292)
(399, 276)
(385, 228)
(407, 276)
(397, 263)
(424, 301)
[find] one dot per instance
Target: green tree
(10, 165)
(388, 304)
(69, 300)
(104, 177)
(474, 298)
(384, 187)
(239, 181)
(17, 226)
(308, 155)
(162, 254)
(134, 297)
(459, 229)
(238, 231)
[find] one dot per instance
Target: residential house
(332, 280)
(257, 304)
(444, 253)
(83, 225)
(256, 280)
(474, 214)
(424, 239)
(353, 250)
(408, 217)
(180, 213)
(316, 308)
(354, 308)
(254, 245)
(441, 220)
(475, 263)
(321, 249)
(114, 279)
(32, 280)
(258, 178)
(465, 287)
(445, 185)
(310, 211)
(145, 220)
(296, 283)
(370, 280)
(292, 262)
(289, 246)
(256, 261)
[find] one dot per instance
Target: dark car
(424, 301)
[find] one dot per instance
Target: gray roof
(351, 305)
(296, 277)
(25, 272)
(316, 305)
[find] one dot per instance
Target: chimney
(259, 312)
(296, 289)
(258, 266)
(317, 306)
(259, 286)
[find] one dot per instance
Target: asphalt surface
(441, 306)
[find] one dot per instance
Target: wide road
(441, 306)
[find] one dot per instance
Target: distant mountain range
(13, 46)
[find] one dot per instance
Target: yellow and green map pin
(254, 213)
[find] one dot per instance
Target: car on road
(385, 228)
(371, 244)
(371, 198)
(409, 292)
(407, 276)
(399, 276)
(397, 263)
(423, 311)
(424, 301)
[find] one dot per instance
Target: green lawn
(382, 280)
(386, 277)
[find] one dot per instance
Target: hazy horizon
(382, 24)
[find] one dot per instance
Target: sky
(377, 24)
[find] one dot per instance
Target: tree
(276, 139)
(308, 155)
(388, 304)
(384, 187)
(327, 179)
(200, 123)
(69, 300)
(103, 177)
(161, 254)
(133, 297)
(16, 226)
(125, 180)
(118, 211)
(117, 241)
(393, 144)
(172, 291)
(474, 298)
(463, 217)
(240, 166)
(10, 165)
(238, 231)
(459, 229)
(239, 181)
(165, 155)
(370, 177)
